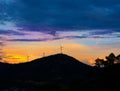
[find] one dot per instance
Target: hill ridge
(53, 67)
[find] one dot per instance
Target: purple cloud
(11, 32)
(28, 40)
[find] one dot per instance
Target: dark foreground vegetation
(58, 72)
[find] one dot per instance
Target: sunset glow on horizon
(18, 52)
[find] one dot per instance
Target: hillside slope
(52, 68)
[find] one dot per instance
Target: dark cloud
(101, 37)
(28, 40)
(1, 38)
(1, 44)
(0, 58)
(35, 40)
(101, 32)
(55, 38)
(67, 14)
(10, 32)
(79, 37)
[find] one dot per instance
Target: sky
(86, 29)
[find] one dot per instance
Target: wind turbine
(43, 54)
(2, 54)
(28, 58)
(61, 49)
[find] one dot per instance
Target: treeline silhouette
(111, 59)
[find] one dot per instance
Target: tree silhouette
(118, 58)
(111, 59)
(100, 63)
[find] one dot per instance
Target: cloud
(97, 19)
(28, 40)
(101, 32)
(1, 44)
(51, 39)
(105, 33)
(56, 35)
(10, 32)
(79, 14)
(76, 37)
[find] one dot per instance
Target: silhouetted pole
(43, 54)
(1, 54)
(61, 49)
(28, 58)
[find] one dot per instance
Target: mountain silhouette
(51, 68)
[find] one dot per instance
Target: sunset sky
(86, 29)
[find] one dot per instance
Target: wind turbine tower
(61, 49)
